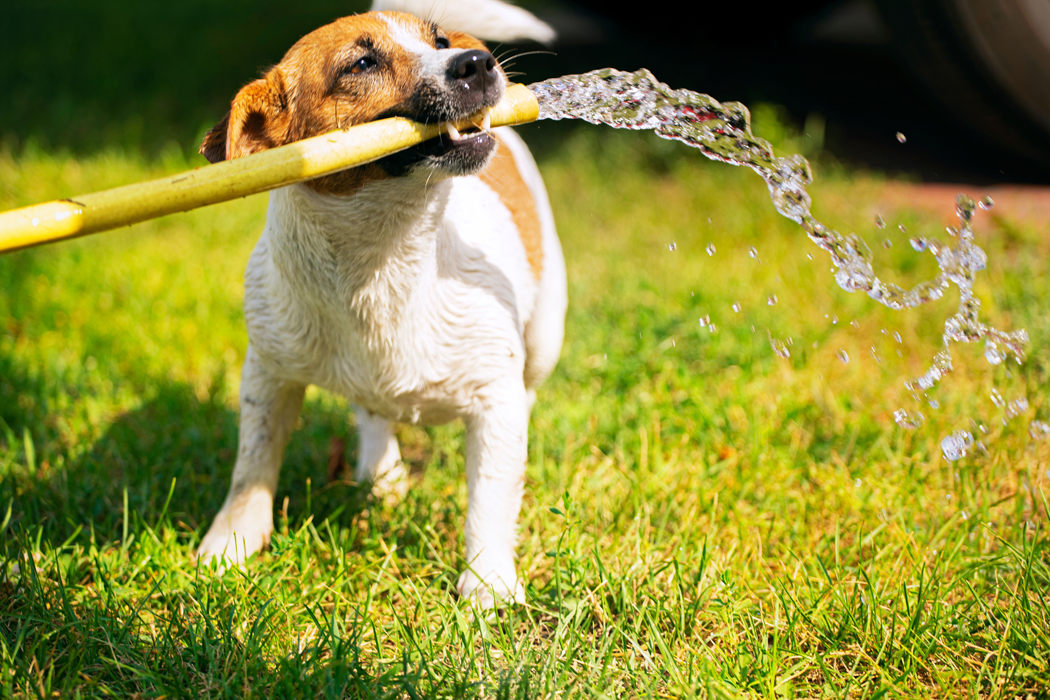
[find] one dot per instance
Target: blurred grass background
(145, 77)
(703, 518)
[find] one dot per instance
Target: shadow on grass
(173, 455)
(205, 642)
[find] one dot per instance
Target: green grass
(702, 518)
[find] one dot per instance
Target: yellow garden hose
(296, 162)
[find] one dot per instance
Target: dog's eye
(442, 42)
(361, 65)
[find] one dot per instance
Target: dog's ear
(257, 120)
(214, 145)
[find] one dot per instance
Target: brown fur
(501, 174)
(305, 94)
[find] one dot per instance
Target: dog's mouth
(483, 127)
(456, 150)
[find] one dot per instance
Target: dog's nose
(473, 69)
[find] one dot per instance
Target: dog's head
(359, 69)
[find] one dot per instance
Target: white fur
(416, 301)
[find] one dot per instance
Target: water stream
(722, 131)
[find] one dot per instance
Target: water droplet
(710, 248)
(875, 355)
(908, 420)
(887, 244)
(934, 403)
(771, 300)
(964, 515)
(919, 244)
(947, 497)
(843, 355)
(809, 256)
(956, 445)
(897, 336)
(1039, 430)
(779, 347)
(705, 319)
(1016, 407)
(992, 353)
(736, 307)
(672, 246)
(986, 203)
(834, 320)
(901, 137)
(903, 228)
(856, 484)
(712, 328)
(997, 398)
(854, 323)
(879, 223)
(752, 251)
(951, 231)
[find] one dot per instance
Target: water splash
(722, 131)
(956, 445)
(909, 420)
(780, 348)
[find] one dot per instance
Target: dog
(425, 287)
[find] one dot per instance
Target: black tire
(987, 61)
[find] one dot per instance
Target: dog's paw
(491, 591)
(231, 540)
(391, 485)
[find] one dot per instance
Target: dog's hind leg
(269, 408)
(378, 457)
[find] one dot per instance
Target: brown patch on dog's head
(354, 70)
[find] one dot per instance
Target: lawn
(703, 517)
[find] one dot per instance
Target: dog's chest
(412, 326)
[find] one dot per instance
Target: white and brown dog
(425, 287)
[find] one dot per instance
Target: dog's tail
(485, 19)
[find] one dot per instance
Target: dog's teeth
(453, 132)
(486, 122)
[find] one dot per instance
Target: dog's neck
(372, 251)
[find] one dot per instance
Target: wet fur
(425, 287)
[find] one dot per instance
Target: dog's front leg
(269, 407)
(497, 438)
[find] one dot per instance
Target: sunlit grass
(703, 517)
